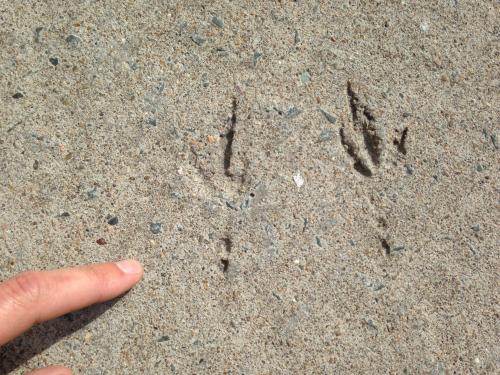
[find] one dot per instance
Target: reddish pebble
(101, 241)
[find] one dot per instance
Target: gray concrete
(312, 186)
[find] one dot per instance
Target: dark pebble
(54, 60)
(155, 228)
(64, 214)
(476, 227)
(17, 95)
(163, 339)
(151, 121)
(72, 39)
(480, 168)
(101, 241)
(113, 221)
(318, 242)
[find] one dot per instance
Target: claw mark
(228, 245)
(352, 150)
(228, 151)
(386, 246)
(225, 264)
(401, 144)
(364, 119)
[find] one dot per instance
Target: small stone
(163, 338)
(476, 227)
(331, 119)
(38, 30)
(64, 214)
(155, 228)
(113, 221)
(92, 193)
(326, 135)
(101, 241)
(36, 165)
(151, 121)
(305, 77)
(494, 140)
(54, 60)
(219, 22)
(296, 37)
(256, 57)
(198, 39)
(298, 179)
(133, 65)
(245, 204)
(480, 167)
(73, 40)
(17, 95)
(293, 112)
(318, 241)
(409, 169)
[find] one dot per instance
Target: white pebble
(298, 179)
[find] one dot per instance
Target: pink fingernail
(129, 266)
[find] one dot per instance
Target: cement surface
(312, 186)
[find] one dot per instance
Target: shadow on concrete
(44, 335)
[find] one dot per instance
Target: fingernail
(129, 266)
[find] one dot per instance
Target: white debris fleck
(424, 26)
(298, 179)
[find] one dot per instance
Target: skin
(34, 297)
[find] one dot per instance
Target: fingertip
(52, 370)
(131, 267)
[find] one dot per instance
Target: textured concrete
(312, 186)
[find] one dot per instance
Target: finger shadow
(42, 336)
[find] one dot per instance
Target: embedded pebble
(92, 193)
(326, 135)
(296, 37)
(331, 119)
(54, 60)
(155, 228)
(494, 140)
(73, 40)
(219, 22)
(198, 39)
(298, 179)
(113, 220)
(293, 112)
(305, 77)
(256, 57)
